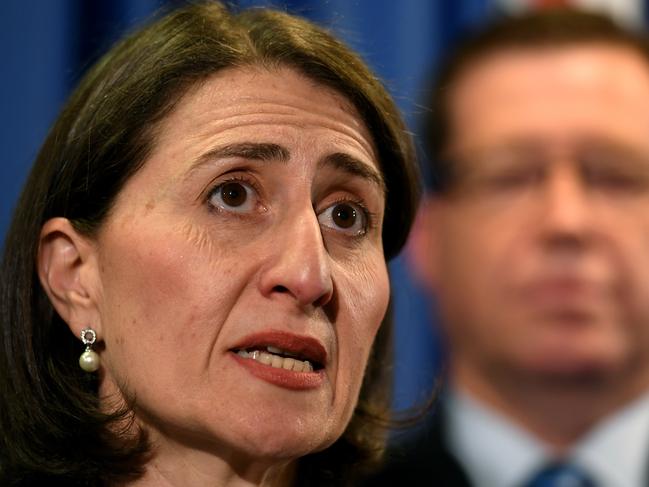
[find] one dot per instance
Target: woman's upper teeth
(278, 351)
(273, 358)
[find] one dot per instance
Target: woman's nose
(299, 266)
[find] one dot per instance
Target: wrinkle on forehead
(206, 107)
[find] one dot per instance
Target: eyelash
(370, 217)
(230, 179)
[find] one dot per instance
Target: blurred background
(48, 44)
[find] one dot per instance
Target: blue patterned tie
(560, 475)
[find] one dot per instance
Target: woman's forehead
(252, 89)
(260, 105)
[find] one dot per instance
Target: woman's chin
(284, 442)
(249, 441)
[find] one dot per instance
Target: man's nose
(566, 211)
(299, 264)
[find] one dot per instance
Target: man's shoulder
(420, 457)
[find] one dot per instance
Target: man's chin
(567, 367)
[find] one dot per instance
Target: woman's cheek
(366, 298)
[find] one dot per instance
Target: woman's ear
(67, 269)
(423, 247)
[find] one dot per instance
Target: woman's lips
(283, 359)
(288, 379)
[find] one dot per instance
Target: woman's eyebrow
(259, 151)
(264, 151)
(354, 167)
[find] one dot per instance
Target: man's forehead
(586, 88)
(576, 59)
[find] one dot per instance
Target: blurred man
(535, 242)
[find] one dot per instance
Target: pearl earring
(89, 360)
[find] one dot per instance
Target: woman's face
(242, 277)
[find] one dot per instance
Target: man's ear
(67, 269)
(422, 252)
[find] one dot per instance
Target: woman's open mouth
(284, 359)
(280, 359)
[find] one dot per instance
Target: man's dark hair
(548, 28)
(52, 430)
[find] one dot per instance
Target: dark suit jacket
(422, 459)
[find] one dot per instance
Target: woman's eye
(235, 196)
(345, 217)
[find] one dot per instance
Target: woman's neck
(174, 465)
(163, 476)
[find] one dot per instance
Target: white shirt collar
(616, 451)
(497, 453)
(493, 451)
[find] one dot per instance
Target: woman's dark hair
(51, 427)
(549, 28)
